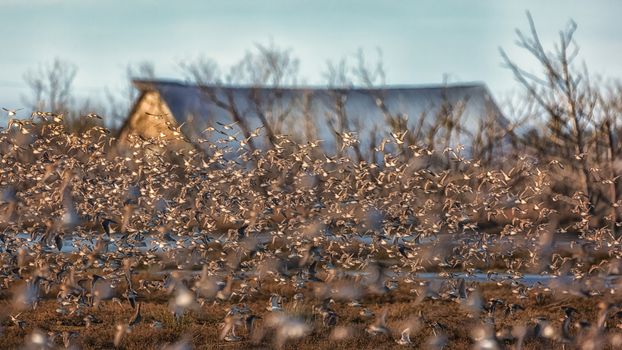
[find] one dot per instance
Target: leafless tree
(51, 86)
(120, 102)
(206, 74)
(266, 66)
(342, 76)
(564, 94)
(609, 144)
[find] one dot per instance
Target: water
(150, 243)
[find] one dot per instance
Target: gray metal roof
(196, 106)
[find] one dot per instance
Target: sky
(421, 41)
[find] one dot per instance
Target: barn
(445, 114)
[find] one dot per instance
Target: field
(146, 245)
(202, 326)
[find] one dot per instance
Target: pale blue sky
(420, 40)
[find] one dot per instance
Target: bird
(462, 292)
(275, 303)
(21, 324)
(131, 296)
(367, 313)
(11, 112)
(233, 319)
(92, 116)
(405, 337)
(58, 240)
(379, 326)
(68, 338)
(249, 323)
(137, 317)
(106, 225)
(329, 318)
(120, 332)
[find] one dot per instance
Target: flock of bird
(289, 244)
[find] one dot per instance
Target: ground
(201, 326)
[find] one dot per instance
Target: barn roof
(197, 106)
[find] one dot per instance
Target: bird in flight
(11, 112)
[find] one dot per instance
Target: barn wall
(149, 118)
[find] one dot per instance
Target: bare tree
(337, 74)
(51, 86)
(341, 77)
(608, 128)
(51, 90)
(121, 102)
(564, 94)
(266, 66)
(205, 73)
(369, 74)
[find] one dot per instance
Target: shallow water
(75, 243)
